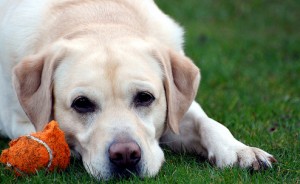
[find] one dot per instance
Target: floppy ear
(181, 84)
(32, 79)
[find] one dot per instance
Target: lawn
(249, 56)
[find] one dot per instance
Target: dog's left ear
(33, 83)
(181, 83)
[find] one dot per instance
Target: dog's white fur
(53, 51)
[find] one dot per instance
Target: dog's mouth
(125, 172)
(114, 172)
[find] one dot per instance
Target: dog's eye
(83, 105)
(143, 99)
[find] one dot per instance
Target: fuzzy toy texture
(42, 150)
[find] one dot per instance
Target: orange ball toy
(42, 150)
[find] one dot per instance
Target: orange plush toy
(42, 150)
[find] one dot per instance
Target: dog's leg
(205, 136)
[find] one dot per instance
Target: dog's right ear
(33, 82)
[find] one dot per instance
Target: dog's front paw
(246, 157)
(254, 158)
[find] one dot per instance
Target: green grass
(249, 55)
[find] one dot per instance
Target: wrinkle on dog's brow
(79, 33)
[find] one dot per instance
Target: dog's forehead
(109, 66)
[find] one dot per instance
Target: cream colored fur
(53, 51)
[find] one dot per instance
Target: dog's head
(113, 100)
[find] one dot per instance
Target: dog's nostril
(118, 157)
(135, 156)
(125, 155)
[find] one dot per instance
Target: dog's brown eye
(83, 105)
(143, 99)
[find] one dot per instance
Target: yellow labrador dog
(114, 75)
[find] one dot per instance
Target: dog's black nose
(125, 154)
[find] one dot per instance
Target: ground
(249, 56)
